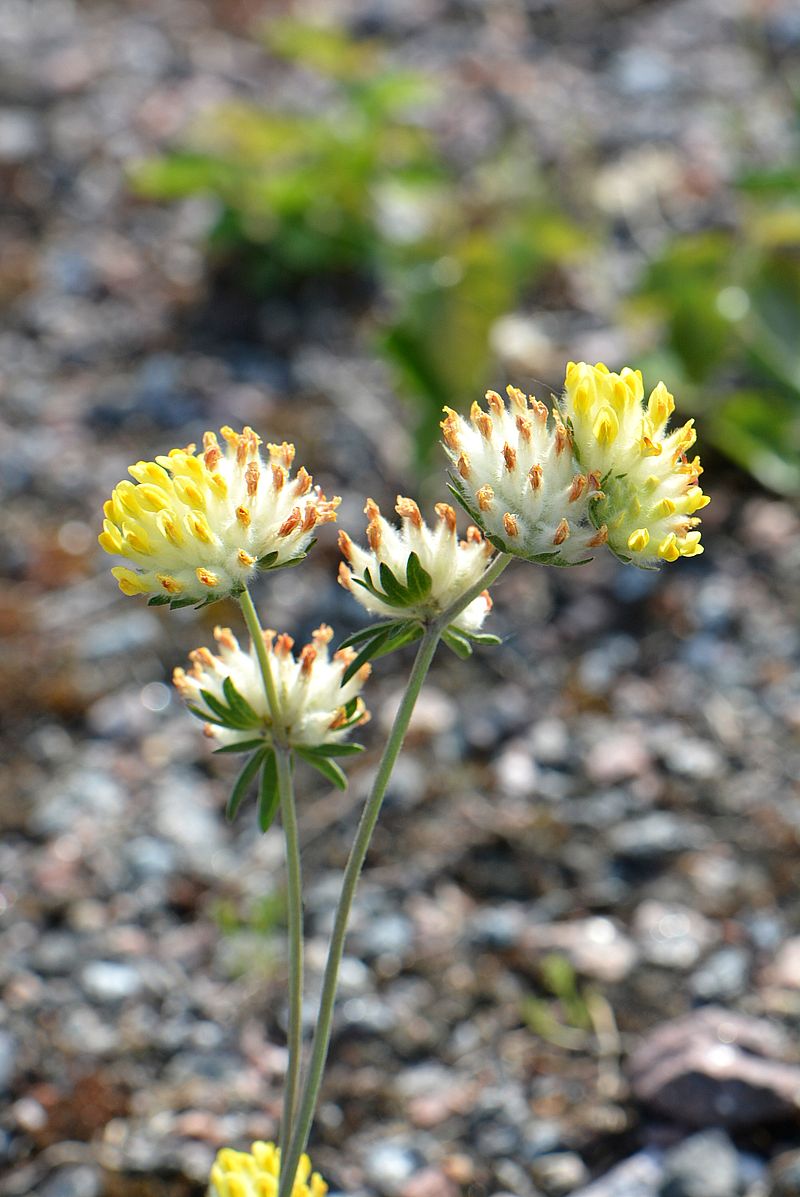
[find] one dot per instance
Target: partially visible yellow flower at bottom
(254, 1173)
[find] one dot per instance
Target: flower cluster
(600, 468)
(517, 477)
(416, 570)
(255, 1173)
(227, 691)
(650, 487)
(196, 526)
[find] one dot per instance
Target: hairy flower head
(254, 1173)
(316, 709)
(196, 526)
(650, 486)
(414, 571)
(516, 474)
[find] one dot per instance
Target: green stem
(295, 927)
(257, 636)
(283, 761)
(355, 862)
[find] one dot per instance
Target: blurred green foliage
(728, 302)
(263, 916)
(360, 185)
(352, 186)
(297, 190)
(563, 1015)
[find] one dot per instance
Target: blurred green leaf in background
(727, 303)
(350, 184)
(360, 187)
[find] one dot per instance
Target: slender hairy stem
(257, 636)
(295, 925)
(355, 862)
(293, 872)
(490, 575)
(352, 872)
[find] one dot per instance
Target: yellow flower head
(650, 487)
(516, 474)
(254, 1173)
(196, 526)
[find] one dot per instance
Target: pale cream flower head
(414, 571)
(516, 475)
(651, 490)
(315, 708)
(198, 526)
(255, 1173)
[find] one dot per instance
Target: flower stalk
(285, 783)
(355, 862)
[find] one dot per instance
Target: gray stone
(596, 947)
(386, 933)
(559, 1174)
(110, 981)
(672, 935)
(784, 1175)
(639, 1176)
(714, 1067)
(8, 1060)
(497, 927)
(784, 971)
(20, 134)
(79, 1181)
(722, 976)
(389, 1164)
(705, 1165)
(657, 835)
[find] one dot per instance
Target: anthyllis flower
(416, 570)
(197, 526)
(516, 475)
(315, 708)
(254, 1173)
(412, 574)
(318, 706)
(650, 486)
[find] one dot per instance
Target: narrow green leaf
(462, 500)
(328, 768)
(239, 746)
(267, 561)
(457, 644)
(242, 784)
(368, 632)
(418, 579)
(269, 797)
(212, 598)
(406, 635)
(369, 585)
(397, 594)
(160, 600)
(229, 717)
(481, 637)
(335, 750)
(240, 706)
(367, 653)
(291, 563)
(544, 558)
(204, 715)
(178, 603)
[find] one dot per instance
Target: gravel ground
(616, 787)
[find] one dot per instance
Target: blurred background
(326, 219)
